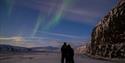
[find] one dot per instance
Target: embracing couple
(67, 54)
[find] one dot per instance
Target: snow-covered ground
(45, 58)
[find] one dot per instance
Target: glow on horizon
(16, 40)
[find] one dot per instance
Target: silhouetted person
(63, 52)
(70, 55)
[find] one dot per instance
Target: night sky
(33, 23)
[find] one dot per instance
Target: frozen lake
(45, 58)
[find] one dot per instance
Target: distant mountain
(10, 48)
(47, 49)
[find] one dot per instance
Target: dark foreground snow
(45, 58)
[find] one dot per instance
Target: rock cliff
(108, 36)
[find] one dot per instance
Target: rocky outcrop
(81, 50)
(108, 37)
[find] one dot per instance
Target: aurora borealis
(49, 22)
